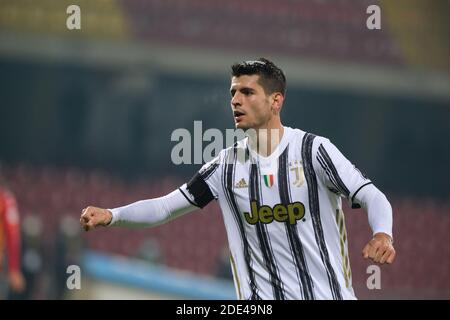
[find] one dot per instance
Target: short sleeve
(202, 188)
(337, 172)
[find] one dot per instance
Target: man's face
(250, 105)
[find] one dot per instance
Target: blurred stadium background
(86, 117)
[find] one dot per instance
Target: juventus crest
(297, 167)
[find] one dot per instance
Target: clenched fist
(93, 217)
(380, 249)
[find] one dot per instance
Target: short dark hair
(271, 78)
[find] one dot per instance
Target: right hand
(93, 217)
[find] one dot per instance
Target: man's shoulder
(223, 152)
(226, 153)
(300, 135)
(236, 152)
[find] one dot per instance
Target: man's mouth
(238, 115)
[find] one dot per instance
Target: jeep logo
(281, 213)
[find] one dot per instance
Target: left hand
(380, 249)
(16, 281)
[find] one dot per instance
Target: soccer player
(10, 242)
(280, 194)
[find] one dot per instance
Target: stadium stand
(297, 28)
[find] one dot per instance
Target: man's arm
(145, 213)
(343, 178)
(197, 193)
(379, 211)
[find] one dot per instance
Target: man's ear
(277, 102)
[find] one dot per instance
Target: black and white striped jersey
(283, 216)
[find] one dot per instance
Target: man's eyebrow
(242, 88)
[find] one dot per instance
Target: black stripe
(227, 184)
(332, 172)
(329, 174)
(336, 189)
(209, 171)
(187, 198)
(314, 208)
(295, 243)
(282, 167)
(355, 205)
(336, 176)
(261, 231)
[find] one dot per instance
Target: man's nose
(236, 101)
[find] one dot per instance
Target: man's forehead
(245, 81)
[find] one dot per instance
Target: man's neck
(265, 140)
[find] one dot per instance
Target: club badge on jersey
(297, 168)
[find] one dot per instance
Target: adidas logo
(242, 184)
